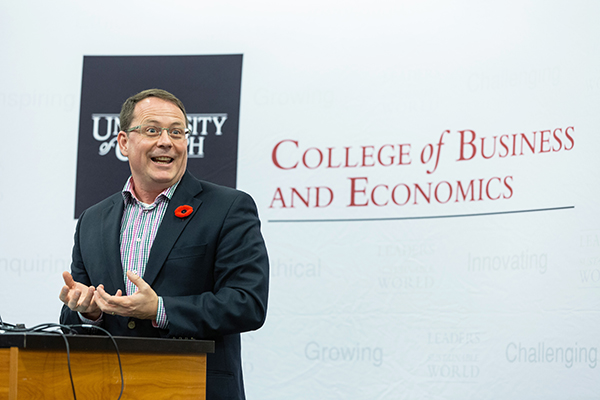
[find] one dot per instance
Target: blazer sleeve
(67, 316)
(238, 301)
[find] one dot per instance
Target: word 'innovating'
(509, 262)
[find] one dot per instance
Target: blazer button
(131, 325)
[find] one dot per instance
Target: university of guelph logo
(106, 127)
(208, 86)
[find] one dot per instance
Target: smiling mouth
(162, 160)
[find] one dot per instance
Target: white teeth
(162, 159)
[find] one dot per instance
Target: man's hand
(79, 297)
(143, 304)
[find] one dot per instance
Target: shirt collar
(129, 195)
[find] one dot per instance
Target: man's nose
(164, 139)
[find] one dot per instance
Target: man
(170, 256)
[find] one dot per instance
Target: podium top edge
(55, 341)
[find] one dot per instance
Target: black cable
(5, 325)
(116, 349)
(68, 361)
(42, 328)
(71, 330)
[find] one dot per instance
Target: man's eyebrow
(156, 122)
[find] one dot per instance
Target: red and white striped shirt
(139, 226)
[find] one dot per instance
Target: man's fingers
(107, 303)
(76, 294)
(99, 297)
(142, 304)
(137, 280)
(100, 302)
(104, 299)
(85, 302)
(68, 278)
(64, 293)
(100, 290)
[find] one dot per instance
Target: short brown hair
(126, 115)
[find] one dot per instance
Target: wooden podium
(34, 366)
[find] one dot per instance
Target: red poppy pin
(183, 211)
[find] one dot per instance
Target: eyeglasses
(154, 132)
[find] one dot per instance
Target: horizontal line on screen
(423, 217)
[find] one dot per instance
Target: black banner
(209, 87)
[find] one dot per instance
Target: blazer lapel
(171, 225)
(110, 232)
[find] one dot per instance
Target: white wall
(434, 308)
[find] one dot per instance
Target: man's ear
(123, 141)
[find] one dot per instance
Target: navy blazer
(210, 268)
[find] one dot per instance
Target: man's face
(156, 163)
